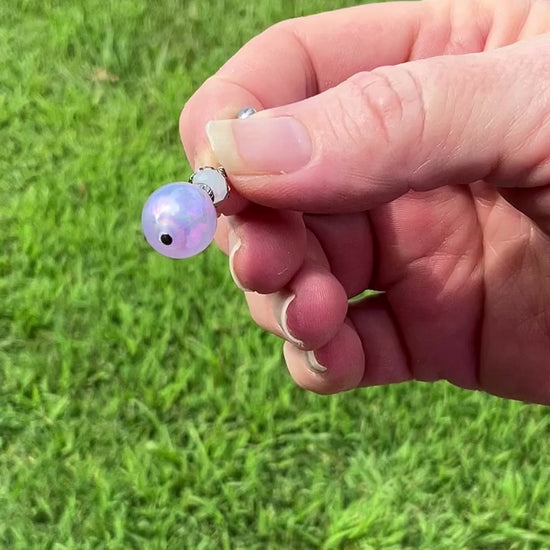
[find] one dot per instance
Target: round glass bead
(179, 220)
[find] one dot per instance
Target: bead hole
(166, 239)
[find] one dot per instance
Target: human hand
(390, 154)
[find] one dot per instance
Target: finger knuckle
(391, 100)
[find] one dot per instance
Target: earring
(179, 219)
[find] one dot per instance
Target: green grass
(139, 405)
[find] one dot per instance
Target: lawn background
(139, 406)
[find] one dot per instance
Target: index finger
(302, 57)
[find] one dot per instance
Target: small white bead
(213, 181)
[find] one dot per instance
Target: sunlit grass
(139, 405)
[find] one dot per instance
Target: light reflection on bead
(179, 220)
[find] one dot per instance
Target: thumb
(418, 125)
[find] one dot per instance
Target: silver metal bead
(213, 181)
(246, 112)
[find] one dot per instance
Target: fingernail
(260, 145)
(281, 301)
(234, 243)
(313, 364)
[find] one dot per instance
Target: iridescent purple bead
(179, 220)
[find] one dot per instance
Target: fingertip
(310, 309)
(272, 248)
(335, 367)
(319, 308)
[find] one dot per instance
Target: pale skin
(413, 158)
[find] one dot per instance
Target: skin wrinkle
(400, 337)
(349, 321)
(500, 34)
(375, 252)
(473, 37)
(433, 250)
(543, 214)
(459, 130)
(344, 116)
(402, 340)
(532, 135)
(533, 12)
(539, 318)
(537, 322)
(448, 18)
(327, 81)
(428, 261)
(360, 89)
(421, 102)
(398, 98)
(332, 121)
(539, 176)
(459, 261)
(479, 327)
(225, 79)
(414, 39)
(438, 19)
(312, 82)
(507, 281)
